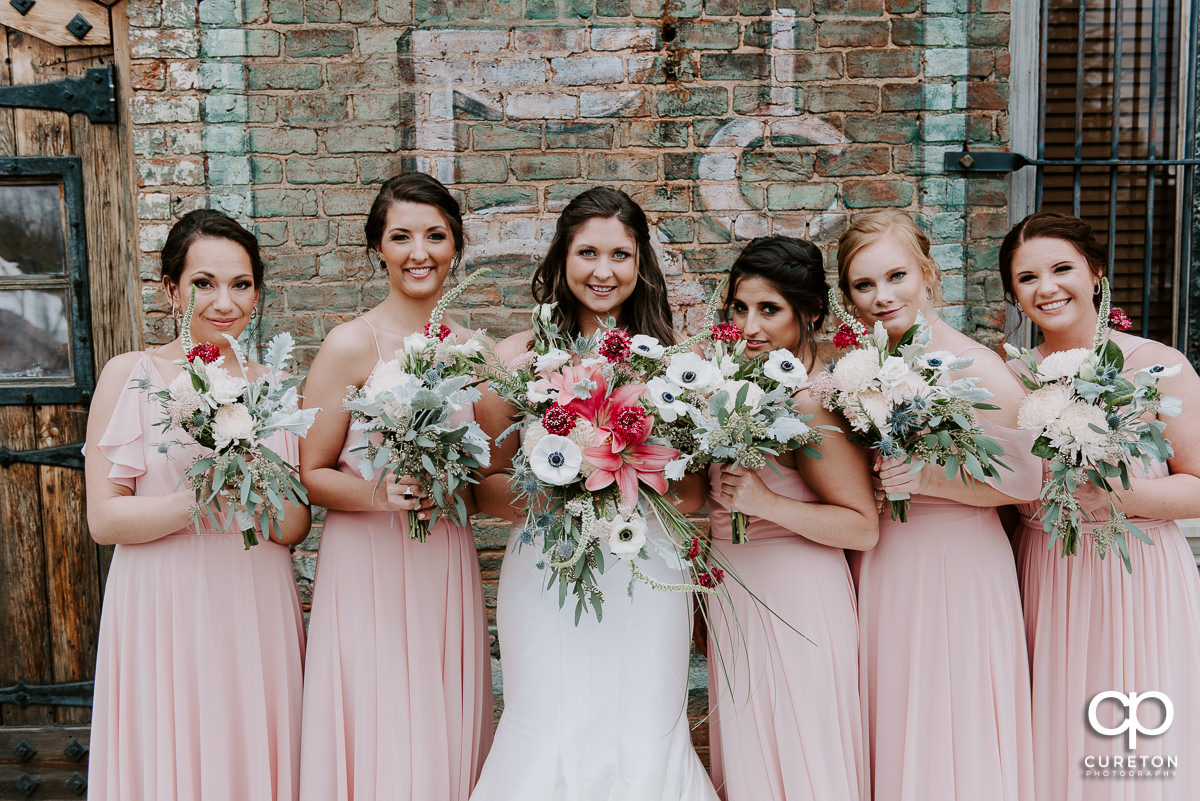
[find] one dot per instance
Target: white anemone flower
(692, 371)
(665, 397)
(785, 368)
(647, 346)
(556, 460)
(626, 536)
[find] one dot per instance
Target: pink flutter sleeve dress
(200, 659)
(1092, 626)
(398, 690)
(786, 722)
(944, 668)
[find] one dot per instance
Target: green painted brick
(621, 167)
(680, 166)
(704, 129)
(668, 133)
(285, 203)
(284, 76)
(377, 169)
(674, 230)
(513, 136)
(710, 260)
(662, 198)
(813, 66)
(579, 135)
(613, 8)
(944, 127)
(754, 194)
(656, 70)
(699, 101)
(286, 12)
(947, 226)
(684, 9)
(311, 232)
(260, 108)
(357, 10)
(266, 170)
(869, 194)
(648, 8)
(502, 198)
(322, 10)
(883, 63)
(362, 139)
(380, 74)
(584, 9)
(224, 139)
(221, 13)
(720, 8)
(544, 166)
(320, 170)
(290, 140)
(840, 97)
(755, 8)
(930, 31)
(541, 9)
(225, 108)
(271, 233)
(708, 35)
(319, 42)
(761, 33)
(480, 169)
(854, 160)
(764, 165)
(394, 11)
(783, 197)
(222, 76)
(229, 170)
(322, 107)
(894, 129)
(341, 202)
(735, 66)
(372, 106)
(712, 231)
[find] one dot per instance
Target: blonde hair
(873, 226)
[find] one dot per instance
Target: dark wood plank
(24, 617)
(48, 21)
(38, 133)
(109, 211)
(72, 569)
(50, 766)
(8, 137)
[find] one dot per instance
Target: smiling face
(417, 248)
(767, 320)
(887, 285)
(1054, 284)
(222, 275)
(602, 266)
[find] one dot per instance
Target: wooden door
(51, 573)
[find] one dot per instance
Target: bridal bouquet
(231, 415)
(404, 413)
(722, 408)
(590, 467)
(1090, 418)
(896, 402)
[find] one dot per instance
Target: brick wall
(725, 119)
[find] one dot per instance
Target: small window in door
(45, 342)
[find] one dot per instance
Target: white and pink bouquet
(722, 408)
(898, 400)
(1093, 421)
(230, 414)
(404, 412)
(591, 469)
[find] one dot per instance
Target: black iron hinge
(73, 693)
(58, 456)
(95, 94)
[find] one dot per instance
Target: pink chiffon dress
(1093, 627)
(785, 719)
(200, 659)
(398, 690)
(944, 669)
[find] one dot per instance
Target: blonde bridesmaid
(198, 671)
(398, 698)
(945, 676)
(1092, 626)
(786, 722)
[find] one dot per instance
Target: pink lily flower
(638, 461)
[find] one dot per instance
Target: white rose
(225, 389)
(754, 394)
(626, 537)
(232, 423)
(909, 386)
(415, 343)
(556, 460)
(691, 371)
(1063, 364)
(892, 371)
(539, 391)
(856, 371)
(388, 376)
(551, 360)
(647, 346)
(1042, 407)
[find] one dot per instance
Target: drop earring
(1096, 289)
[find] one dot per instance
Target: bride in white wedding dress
(594, 712)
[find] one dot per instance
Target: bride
(594, 712)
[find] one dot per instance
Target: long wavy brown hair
(647, 310)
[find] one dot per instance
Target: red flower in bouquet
(1118, 319)
(205, 352)
(558, 420)
(726, 332)
(442, 332)
(615, 345)
(846, 337)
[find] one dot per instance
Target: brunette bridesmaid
(198, 671)
(786, 722)
(945, 675)
(397, 698)
(1092, 626)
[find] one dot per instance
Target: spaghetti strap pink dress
(786, 722)
(1093, 627)
(398, 691)
(944, 670)
(198, 670)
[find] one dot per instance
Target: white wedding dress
(595, 712)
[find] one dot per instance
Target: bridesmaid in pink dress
(1092, 626)
(198, 672)
(945, 675)
(786, 722)
(398, 694)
